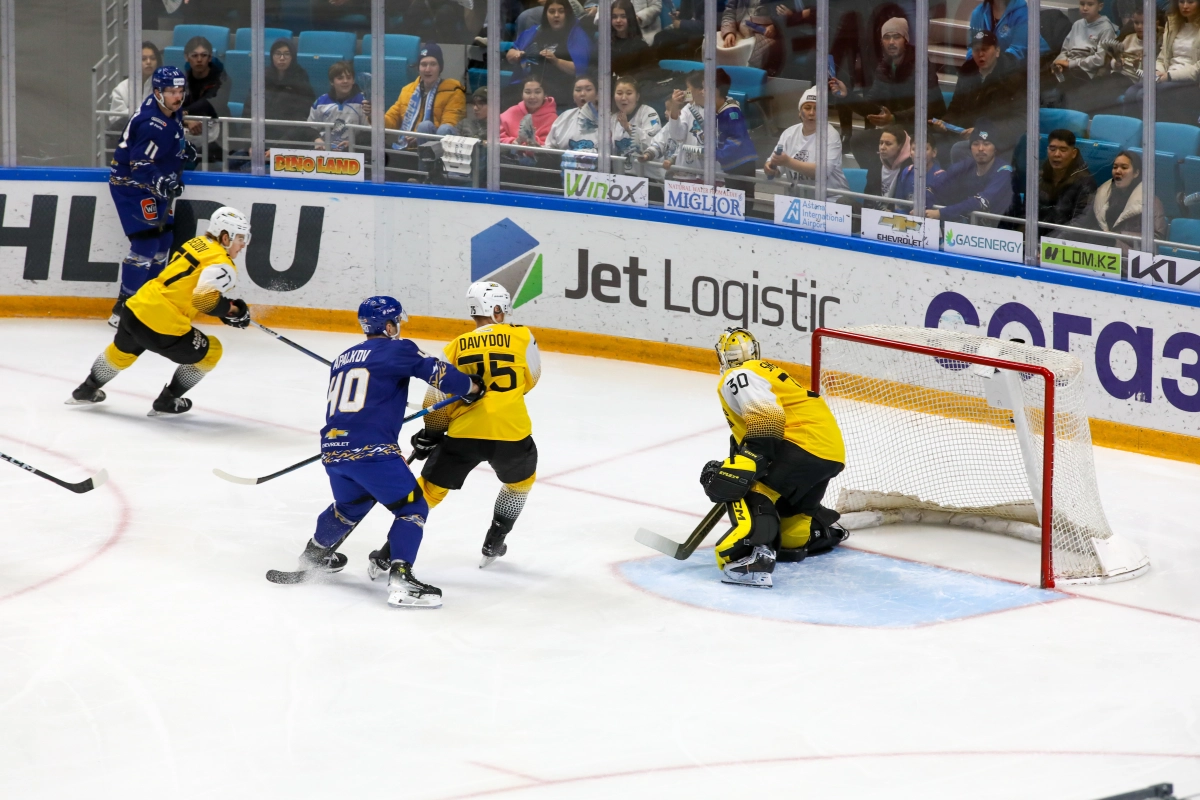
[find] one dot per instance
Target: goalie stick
(305, 575)
(290, 343)
(78, 488)
(681, 551)
(225, 476)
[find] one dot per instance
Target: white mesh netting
(934, 440)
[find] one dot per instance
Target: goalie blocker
(785, 448)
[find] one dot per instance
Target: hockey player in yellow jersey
(159, 316)
(496, 428)
(785, 448)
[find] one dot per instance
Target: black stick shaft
(290, 343)
(707, 524)
(78, 488)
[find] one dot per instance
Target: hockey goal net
(959, 429)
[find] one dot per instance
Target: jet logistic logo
(506, 254)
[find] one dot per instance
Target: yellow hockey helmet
(735, 347)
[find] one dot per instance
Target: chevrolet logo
(900, 223)
(334, 433)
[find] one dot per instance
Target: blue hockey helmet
(168, 77)
(376, 312)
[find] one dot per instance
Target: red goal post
(950, 428)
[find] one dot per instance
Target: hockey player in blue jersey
(145, 177)
(366, 401)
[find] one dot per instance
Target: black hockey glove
(168, 187)
(423, 442)
(238, 315)
(468, 399)
(729, 480)
(191, 153)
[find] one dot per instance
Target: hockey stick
(681, 551)
(290, 343)
(78, 488)
(225, 476)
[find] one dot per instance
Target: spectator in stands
(1125, 54)
(1117, 206)
(474, 124)
(630, 53)
(982, 184)
(431, 103)
(1066, 185)
(1177, 67)
(684, 36)
(529, 121)
(895, 153)
(749, 19)
(532, 16)
(649, 17)
(125, 101)
(577, 129)
(556, 51)
(934, 175)
(344, 104)
(991, 84)
(634, 126)
(1083, 58)
(1008, 21)
(890, 100)
(289, 95)
(208, 88)
(795, 155)
(436, 20)
(336, 15)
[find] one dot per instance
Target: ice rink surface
(142, 653)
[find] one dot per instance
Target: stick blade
(658, 542)
(225, 476)
(98, 480)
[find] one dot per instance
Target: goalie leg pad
(754, 522)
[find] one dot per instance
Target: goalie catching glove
(730, 480)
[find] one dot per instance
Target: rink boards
(652, 288)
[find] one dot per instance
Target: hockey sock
(188, 375)
(511, 500)
(135, 270)
(404, 537)
(336, 522)
(434, 494)
(109, 364)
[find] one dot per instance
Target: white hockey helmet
(735, 347)
(484, 297)
(227, 219)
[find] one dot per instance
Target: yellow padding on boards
(434, 494)
(795, 531)
(118, 359)
(213, 355)
(524, 486)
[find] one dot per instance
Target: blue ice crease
(843, 587)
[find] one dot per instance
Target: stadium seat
(236, 109)
(337, 42)
(397, 45)
(173, 57)
(395, 75)
(1166, 180)
(746, 82)
(1050, 119)
(665, 17)
(317, 66)
(477, 76)
(857, 179)
(217, 34)
(1190, 175)
(241, 39)
(1185, 231)
(1099, 157)
(237, 66)
(678, 65)
(1172, 137)
(1125, 131)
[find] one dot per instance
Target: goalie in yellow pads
(786, 447)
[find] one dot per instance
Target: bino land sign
(316, 164)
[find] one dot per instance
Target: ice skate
(493, 544)
(753, 570)
(167, 403)
(321, 559)
(825, 539)
(86, 394)
(379, 563)
(405, 591)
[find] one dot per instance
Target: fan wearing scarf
(430, 104)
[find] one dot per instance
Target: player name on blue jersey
(350, 357)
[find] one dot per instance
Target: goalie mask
(484, 297)
(735, 347)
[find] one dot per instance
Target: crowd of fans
(974, 157)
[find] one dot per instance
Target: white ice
(142, 653)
